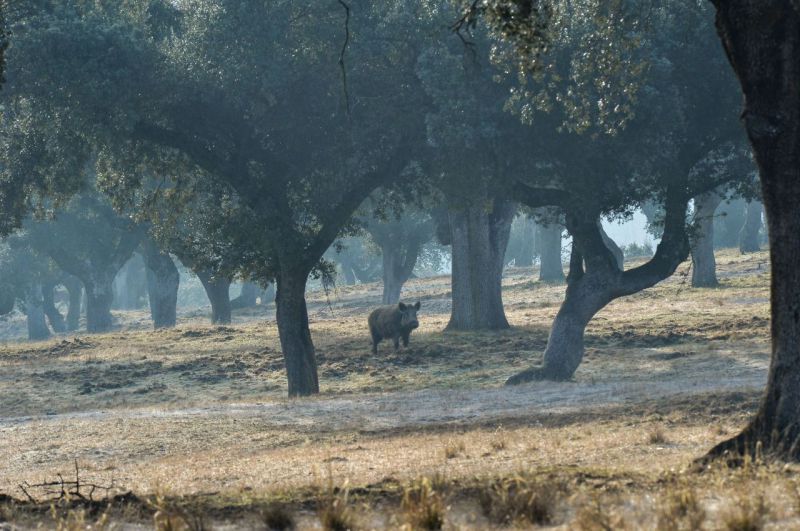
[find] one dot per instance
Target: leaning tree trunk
(550, 267)
(749, 236)
(704, 265)
(594, 280)
(49, 306)
(479, 240)
(762, 39)
(163, 281)
(292, 316)
(619, 255)
(218, 292)
(248, 297)
(75, 289)
(99, 297)
(34, 312)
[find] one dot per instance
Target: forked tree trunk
(594, 280)
(762, 39)
(75, 289)
(704, 265)
(749, 236)
(479, 240)
(99, 297)
(248, 297)
(163, 281)
(550, 267)
(218, 292)
(55, 318)
(298, 349)
(34, 313)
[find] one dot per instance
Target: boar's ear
(417, 305)
(402, 307)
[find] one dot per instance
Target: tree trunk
(99, 297)
(749, 236)
(55, 318)
(121, 290)
(248, 297)
(550, 267)
(268, 295)
(479, 240)
(704, 265)
(218, 292)
(399, 259)
(34, 312)
(392, 275)
(295, 336)
(163, 281)
(594, 280)
(762, 39)
(619, 256)
(75, 289)
(349, 276)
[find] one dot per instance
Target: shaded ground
(200, 411)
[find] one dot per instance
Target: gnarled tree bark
(595, 279)
(762, 40)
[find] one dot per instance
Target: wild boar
(393, 322)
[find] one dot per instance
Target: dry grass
(200, 411)
(748, 512)
(423, 507)
(520, 499)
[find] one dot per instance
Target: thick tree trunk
(163, 281)
(55, 318)
(749, 236)
(248, 297)
(34, 312)
(762, 39)
(218, 292)
(295, 336)
(75, 289)
(704, 265)
(550, 267)
(479, 240)
(99, 297)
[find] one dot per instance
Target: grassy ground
(194, 421)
